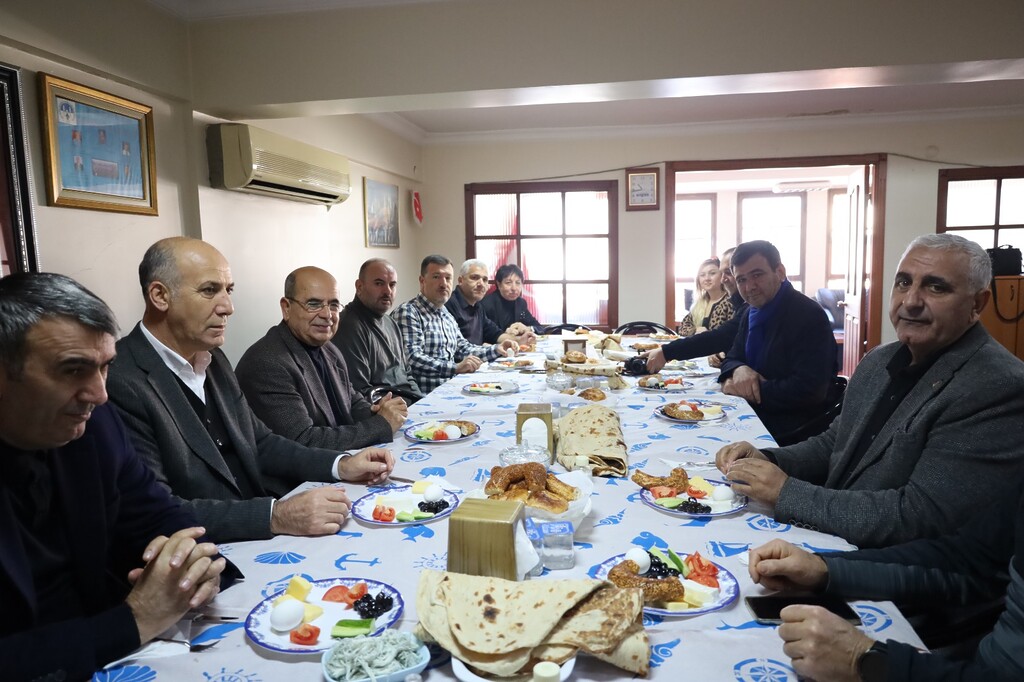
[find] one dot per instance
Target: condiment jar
(522, 453)
(559, 381)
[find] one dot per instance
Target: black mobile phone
(766, 609)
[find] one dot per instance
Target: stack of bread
(502, 628)
(594, 433)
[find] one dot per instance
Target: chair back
(829, 299)
(823, 420)
(556, 328)
(643, 327)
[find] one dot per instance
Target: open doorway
(826, 215)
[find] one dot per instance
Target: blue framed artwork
(99, 149)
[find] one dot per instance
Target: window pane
(839, 226)
(684, 299)
(587, 213)
(542, 213)
(588, 258)
(693, 242)
(494, 252)
(495, 215)
(542, 258)
(545, 302)
(986, 238)
(1014, 236)
(775, 219)
(1011, 202)
(970, 202)
(586, 303)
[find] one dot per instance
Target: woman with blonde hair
(711, 305)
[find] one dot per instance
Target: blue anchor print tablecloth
(722, 645)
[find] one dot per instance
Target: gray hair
(979, 264)
(433, 259)
(472, 263)
(159, 264)
(28, 298)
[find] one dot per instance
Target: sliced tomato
(704, 579)
(695, 493)
(660, 491)
(305, 634)
(700, 565)
(440, 435)
(338, 593)
(356, 591)
(377, 511)
(387, 514)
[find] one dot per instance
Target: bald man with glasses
(297, 382)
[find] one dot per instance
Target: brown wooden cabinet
(1008, 297)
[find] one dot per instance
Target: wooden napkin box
(481, 538)
(541, 411)
(579, 344)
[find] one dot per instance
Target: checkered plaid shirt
(433, 343)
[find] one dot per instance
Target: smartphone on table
(767, 609)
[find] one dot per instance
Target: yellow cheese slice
(312, 612)
(299, 587)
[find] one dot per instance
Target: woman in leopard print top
(712, 306)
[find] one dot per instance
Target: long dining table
(723, 644)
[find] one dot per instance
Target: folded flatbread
(594, 432)
(601, 369)
(503, 627)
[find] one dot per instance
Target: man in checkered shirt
(435, 348)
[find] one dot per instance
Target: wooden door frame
(873, 287)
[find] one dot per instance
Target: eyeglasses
(314, 305)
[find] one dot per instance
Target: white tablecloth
(723, 645)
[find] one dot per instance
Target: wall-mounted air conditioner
(249, 159)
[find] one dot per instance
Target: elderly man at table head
(713, 343)
(434, 346)
(958, 569)
(190, 422)
(97, 558)
(931, 425)
(473, 322)
(297, 382)
(370, 340)
(783, 360)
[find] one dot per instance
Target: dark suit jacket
(472, 320)
(503, 313)
(112, 507)
(801, 363)
(170, 437)
(952, 446)
(285, 391)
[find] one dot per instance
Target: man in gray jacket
(931, 426)
(297, 382)
(190, 422)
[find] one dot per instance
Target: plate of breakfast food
(309, 616)
(673, 584)
(446, 431)
(421, 502)
(690, 412)
(490, 388)
(695, 497)
(657, 383)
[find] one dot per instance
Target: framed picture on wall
(643, 189)
(17, 229)
(380, 207)
(99, 149)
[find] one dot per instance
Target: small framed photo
(643, 189)
(98, 149)
(380, 205)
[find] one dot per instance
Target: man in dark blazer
(931, 427)
(189, 420)
(94, 554)
(297, 382)
(783, 360)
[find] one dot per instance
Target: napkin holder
(542, 413)
(574, 344)
(482, 538)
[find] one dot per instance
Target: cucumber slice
(669, 503)
(420, 515)
(405, 517)
(678, 563)
(352, 628)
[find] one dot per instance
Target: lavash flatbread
(605, 369)
(503, 627)
(594, 432)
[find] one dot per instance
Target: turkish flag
(417, 207)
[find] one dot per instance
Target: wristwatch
(873, 664)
